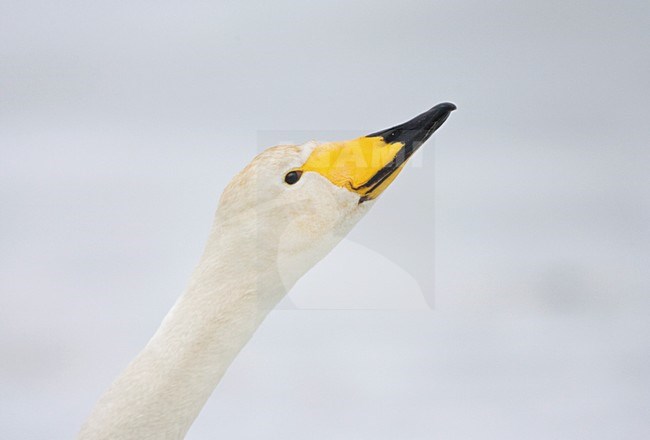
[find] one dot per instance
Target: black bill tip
(413, 133)
(447, 106)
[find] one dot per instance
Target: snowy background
(511, 298)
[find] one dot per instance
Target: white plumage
(267, 232)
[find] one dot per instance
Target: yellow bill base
(352, 164)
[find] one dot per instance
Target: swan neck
(163, 390)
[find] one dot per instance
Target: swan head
(293, 203)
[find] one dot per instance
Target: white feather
(265, 236)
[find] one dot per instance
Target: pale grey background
(525, 224)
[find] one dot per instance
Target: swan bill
(367, 165)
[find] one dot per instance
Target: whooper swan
(277, 218)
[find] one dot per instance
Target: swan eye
(292, 177)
